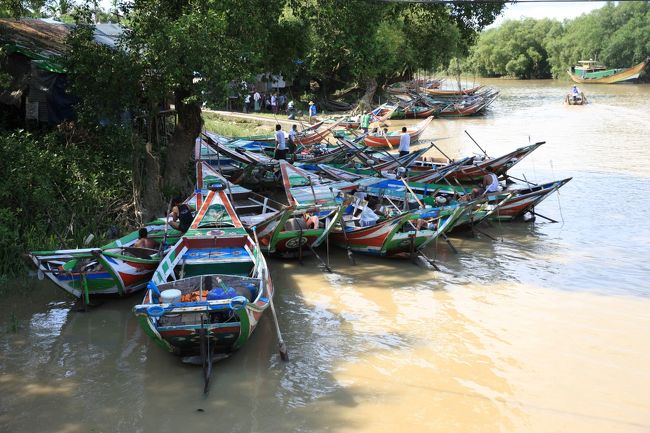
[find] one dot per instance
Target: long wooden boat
(524, 199)
(116, 268)
(499, 165)
(276, 225)
(392, 139)
(403, 233)
(413, 112)
(210, 291)
(590, 71)
(255, 211)
(309, 197)
(450, 92)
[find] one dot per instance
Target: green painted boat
(116, 268)
(211, 289)
(590, 71)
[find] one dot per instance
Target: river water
(544, 329)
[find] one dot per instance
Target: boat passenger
(575, 93)
(181, 215)
(311, 221)
(404, 142)
(490, 181)
(144, 241)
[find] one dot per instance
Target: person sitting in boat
(311, 221)
(575, 93)
(144, 241)
(181, 215)
(490, 181)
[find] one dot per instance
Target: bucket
(170, 296)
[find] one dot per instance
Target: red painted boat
(393, 140)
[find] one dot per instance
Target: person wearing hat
(312, 110)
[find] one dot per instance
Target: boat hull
(610, 76)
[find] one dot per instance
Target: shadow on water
(507, 337)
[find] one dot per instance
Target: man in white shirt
(293, 133)
(490, 181)
(247, 103)
(274, 104)
(404, 142)
(256, 98)
(280, 147)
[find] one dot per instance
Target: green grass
(231, 127)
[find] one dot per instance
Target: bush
(58, 188)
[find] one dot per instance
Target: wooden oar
(162, 244)
(284, 354)
(345, 236)
(472, 138)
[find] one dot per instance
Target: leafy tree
(516, 48)
(617, 35)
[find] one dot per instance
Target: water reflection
(543, 329)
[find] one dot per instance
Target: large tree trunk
(365, 104)
(176, 176)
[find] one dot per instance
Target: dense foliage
(616, 35)
(58, 188)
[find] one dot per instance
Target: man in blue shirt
(312, 111)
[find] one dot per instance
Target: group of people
(274, 102)
(284, 143)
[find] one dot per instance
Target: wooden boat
(572, 99)
(211, 289)
(523, 199)
(309, 197)
(275, 224)
(392, 139)
(413, 112)
(116, 268)
(255, 211)
(499, 165)
(451, 92)
(590, 71)
(395, 232)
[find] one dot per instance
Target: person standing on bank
(247, 103)
(280, 147)
(365, 122)
(257, 97)
(274, 104)
(404, 142)
(312, 111)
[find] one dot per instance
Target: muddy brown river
(545, 329)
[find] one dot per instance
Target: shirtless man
(144, 241)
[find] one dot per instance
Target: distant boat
(575, 99)
(590, 71)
